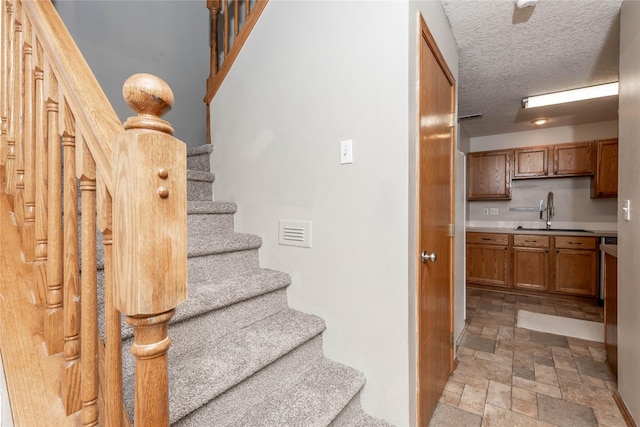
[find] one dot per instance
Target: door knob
(424, 256)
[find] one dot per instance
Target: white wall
(334, 71)
(572, 196)
(167, 38)
(629, 188)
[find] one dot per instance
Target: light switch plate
(626, 210)
(346, 152)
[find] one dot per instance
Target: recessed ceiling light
(539, 122)
(572, 95)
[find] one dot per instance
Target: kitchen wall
(573, 204)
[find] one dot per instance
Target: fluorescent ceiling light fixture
(572, 95)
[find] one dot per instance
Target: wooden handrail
(226, 42)
(132, 182)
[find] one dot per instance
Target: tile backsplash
(574, 207)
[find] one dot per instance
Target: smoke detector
(522, 4)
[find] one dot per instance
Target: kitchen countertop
(610, 249)
(590, 233)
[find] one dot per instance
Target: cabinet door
(531, 268)
(489, 175)
(530, 162)
(488, 264)
(573, 159)
(576, 272)
(605, 180)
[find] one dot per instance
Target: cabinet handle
(531, 241)
(486, 238)
(506, 248)
(575, 243)
(557, 251)
(546, 251)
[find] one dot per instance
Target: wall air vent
(294, 233)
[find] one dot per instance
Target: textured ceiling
(506, 53)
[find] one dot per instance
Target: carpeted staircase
(240, 355)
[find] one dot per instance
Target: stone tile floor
(513, 377)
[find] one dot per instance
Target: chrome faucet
(550, 211)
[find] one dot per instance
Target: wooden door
(435, 222)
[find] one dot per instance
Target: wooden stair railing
(59, 133)
(231, 22)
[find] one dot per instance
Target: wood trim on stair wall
(624, 410)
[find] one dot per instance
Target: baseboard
(624, 410)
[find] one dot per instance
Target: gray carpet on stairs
(240, 356)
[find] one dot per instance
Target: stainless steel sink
(577, 230)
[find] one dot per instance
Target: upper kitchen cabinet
(530, 162)
(489, 175)
(573, 159)
(605, 180)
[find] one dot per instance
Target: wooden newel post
(149, 238)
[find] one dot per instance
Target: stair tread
(218, 293)
(211, 366)
(201, 149)
(196, 175)
(313, 399)
(210, 207)
(215, 243)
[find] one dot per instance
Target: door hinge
(452, 341)
(452, 230)
(452, 120)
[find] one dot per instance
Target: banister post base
(53, 330)
(152, 376)
(70, 390)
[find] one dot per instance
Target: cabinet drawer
(531, 241)
(575, 242)
(488, 238)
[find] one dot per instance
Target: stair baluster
(112, 378)
(18, 124)
(86, 173)
(4, 51)
(72, 290)
(53, 316)
(10, 69)
(28, 116)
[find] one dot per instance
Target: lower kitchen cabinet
(488, 259)
(576, 265)
(531, 262)
(565, 265)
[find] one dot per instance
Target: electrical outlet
(485, 211)
(495, 211)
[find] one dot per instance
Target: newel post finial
(150, 97)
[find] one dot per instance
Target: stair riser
(228, 408)
(199, 190)
(199, 162)
(221, 265)
(215, 223)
